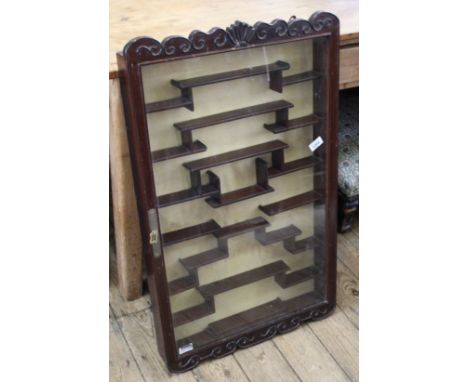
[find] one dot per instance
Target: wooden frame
(324, 29)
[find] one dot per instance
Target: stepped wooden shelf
(192, 263)
(169, 104)
(290, 203)
(274, 70)
(260, 188)
(299, 246)
(208, 291)
(189, 146)
(182, 284)
(301, 77)
(189, 233)
(287, 280)
(238, 195)
(250, 318)
(242, 227)
(215, 119)
(291, 124)
(193, 313)
(198, 191)
(292, 166)
(244, 278)
(236, 155)
(276, 148)
(267, 238)
(177, 151)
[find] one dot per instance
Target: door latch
(154, 233)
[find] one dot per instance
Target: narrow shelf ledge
(167, 104)
(267, 238)
(235, 155)
(181, 285)
(287, 280)
(231, 75)
(177, 151)
(238, 195)
(308, 120)
(299, 246)
(290, 203)
(192, 263)
(186, 195)
(301, 77)
(243, 278)
(241, 228)
(232, 115)
(295, 165)
(250, 318)
(194, 313)
(189, 233)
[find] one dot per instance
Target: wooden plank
(347, 294)
(341, 338)
(348, 254)
(122, 307)
(308, 357)
(296, 123)
(189, 233)
(125, 216)
(232, 115)
(302, 245)
(159, 20)
(267, 238)
(349, 67)
(167, 104)
(182, 284)
(295, 165)
(191, 263)
(186, 195)
(291, 203)
(300, 77)
(264, 362)
(238, 195)
(225, 369)
(139, 333)
(122, 365)
(242, 227)
(235, 155)
(231, 75)
(177, 151)
(243, 278)
(287, 280)
(193, 313)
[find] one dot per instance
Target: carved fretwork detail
(261, 335)
(239, 34)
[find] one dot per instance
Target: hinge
(153, 236)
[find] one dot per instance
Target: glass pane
(240, 192)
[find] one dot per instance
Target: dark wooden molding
(238, 35)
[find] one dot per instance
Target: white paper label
(316, 143)
(185, 348)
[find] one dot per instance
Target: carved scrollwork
(237, 35)
(229, 347)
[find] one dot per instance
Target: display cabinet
(233, 144)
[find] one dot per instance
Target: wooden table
(160, 19)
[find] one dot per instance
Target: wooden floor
(320, 351)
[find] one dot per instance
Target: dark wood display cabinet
(233, 141)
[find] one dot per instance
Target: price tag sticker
(316, 143)
(185, 348)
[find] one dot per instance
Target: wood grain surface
(160, 19)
